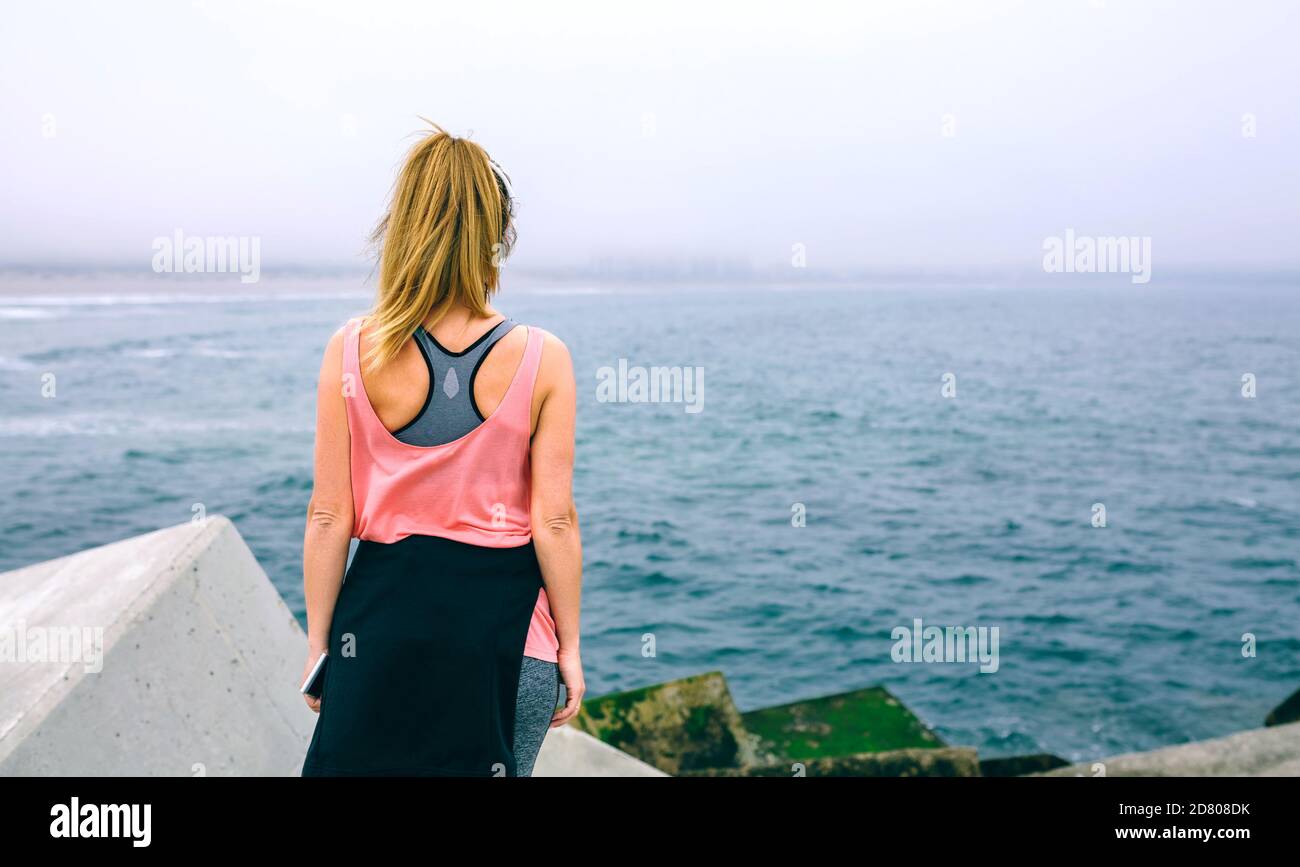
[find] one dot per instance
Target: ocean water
(970, 510)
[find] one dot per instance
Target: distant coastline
(42, 283)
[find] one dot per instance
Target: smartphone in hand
(316, 679)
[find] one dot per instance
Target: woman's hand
(574, 686)
(313, 654)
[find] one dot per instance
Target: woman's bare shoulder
(554, 371)
(556, 361)
(334, 346)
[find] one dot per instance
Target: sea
(1104, 475)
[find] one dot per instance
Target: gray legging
(539, 692)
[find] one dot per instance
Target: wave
(110, 426)
(151, 352)
(1262, 563)
(564, 290)
(218, 352)
(27, 313)
(24, 302)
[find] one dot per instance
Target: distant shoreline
(39, 286)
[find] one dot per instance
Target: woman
(444, 442)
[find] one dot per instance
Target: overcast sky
(693, 130)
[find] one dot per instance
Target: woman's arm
(554, 517)
(329, 514)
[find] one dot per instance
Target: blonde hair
(449, 225)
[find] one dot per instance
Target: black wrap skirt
(424, 655)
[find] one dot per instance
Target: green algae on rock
(862, 721)
(679, 726)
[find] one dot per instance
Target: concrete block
(567, 752)
(198, 659)
(1264, 752)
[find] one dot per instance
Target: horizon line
(675, 271)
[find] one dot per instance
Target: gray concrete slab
(1263, 752)
(199, 660)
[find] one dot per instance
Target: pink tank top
(476, 489)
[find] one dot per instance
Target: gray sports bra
(449, 410)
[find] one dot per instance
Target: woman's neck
(459, 320)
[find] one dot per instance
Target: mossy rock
(849, 723)
(678, 726)
(925, 762)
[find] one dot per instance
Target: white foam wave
(80, 424)
(7, 363)
(153, 299)
(566, 290)
(27, 313)
(218, 352)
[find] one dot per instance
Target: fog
(940, 135)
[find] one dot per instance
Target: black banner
(213, 816)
